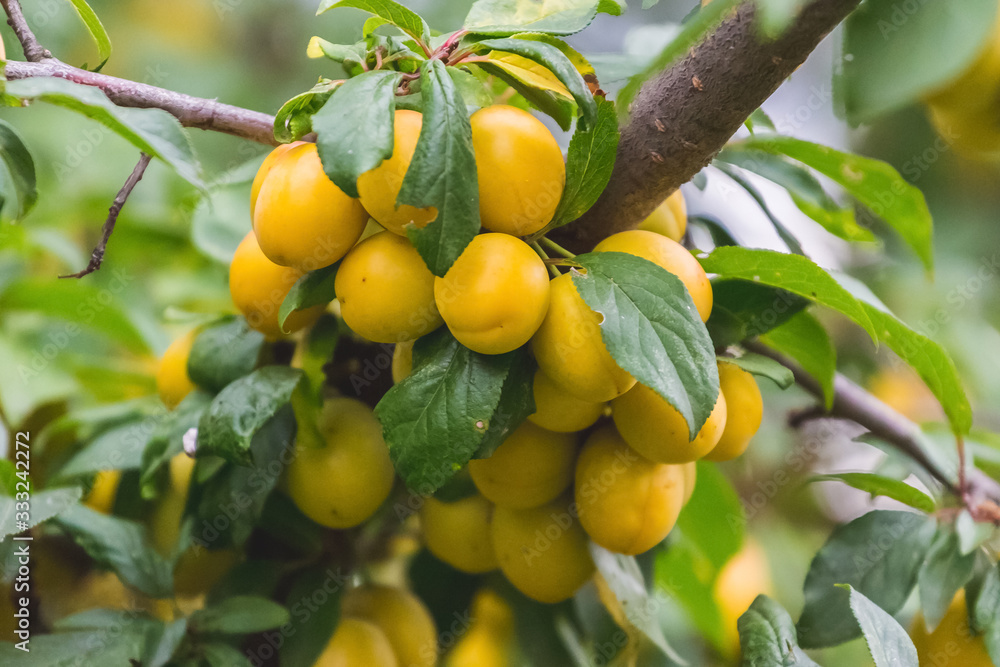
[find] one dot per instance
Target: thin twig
(109, 225)
(854, 403)
(33, 50)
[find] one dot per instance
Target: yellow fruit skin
(652, 427)
(742, 579)
(627, 503)
(952, 643)
(744, 412)
(542, 551)
(355, 455)
(102, 494)
(265, 169)
(570, 351)
(385, 290)
(402, 617)
(495, 296)
(520, 168)
(379, 187)
(558, 410)
(301, 218)
(258, 287)
(669, 218)
(357, 643)
(529, 469)
(690, 471)
(668, 254)
(172, 381)
(198, 569)
(459, 533)
(490, 636)
(402, 361)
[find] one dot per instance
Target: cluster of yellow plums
(567, 476)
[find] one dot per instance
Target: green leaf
(242, 409)
(394, 13)
(879, 554)
(238, 493)
(589, 163)
(118, 448)
(224, 352)
(218, 654)
(891, 58)
(887, 641)
(930, 361)
(453, 404)
(625, 581)
(787, 237)
(652, 330)
(983, 600)
(96, 29)
(762, 366)
(162, 650)
(354, 129)
(21, 169)
(153, 131)
(805, 190)
(314, 600)
(561, 109)
(877, 485)
(553, 17)
(714, 503)
(792, 273)
(559, 64)
(803, 339)
(944, 572)
(239, 615)
(44, 506)
(121, 545)
(767, 636)
(874, 183)
(688, 576)
(471, 88)
(96, 637)
(692, 33)
(348, 54)
(166, 440)
(442, 173)
(294, 119)
(743, 310)
(313, 289)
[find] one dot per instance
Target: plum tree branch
(33, 50)
(109, 225)
(191, 111)
(853, 403)
(683, 117)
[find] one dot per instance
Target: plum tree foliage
(469, 402)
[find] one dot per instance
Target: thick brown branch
(33, 50)
(109, 225)
(684, 116)
(854, 403)
(190, 111)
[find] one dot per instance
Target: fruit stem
(557, 248)
(549, 263)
